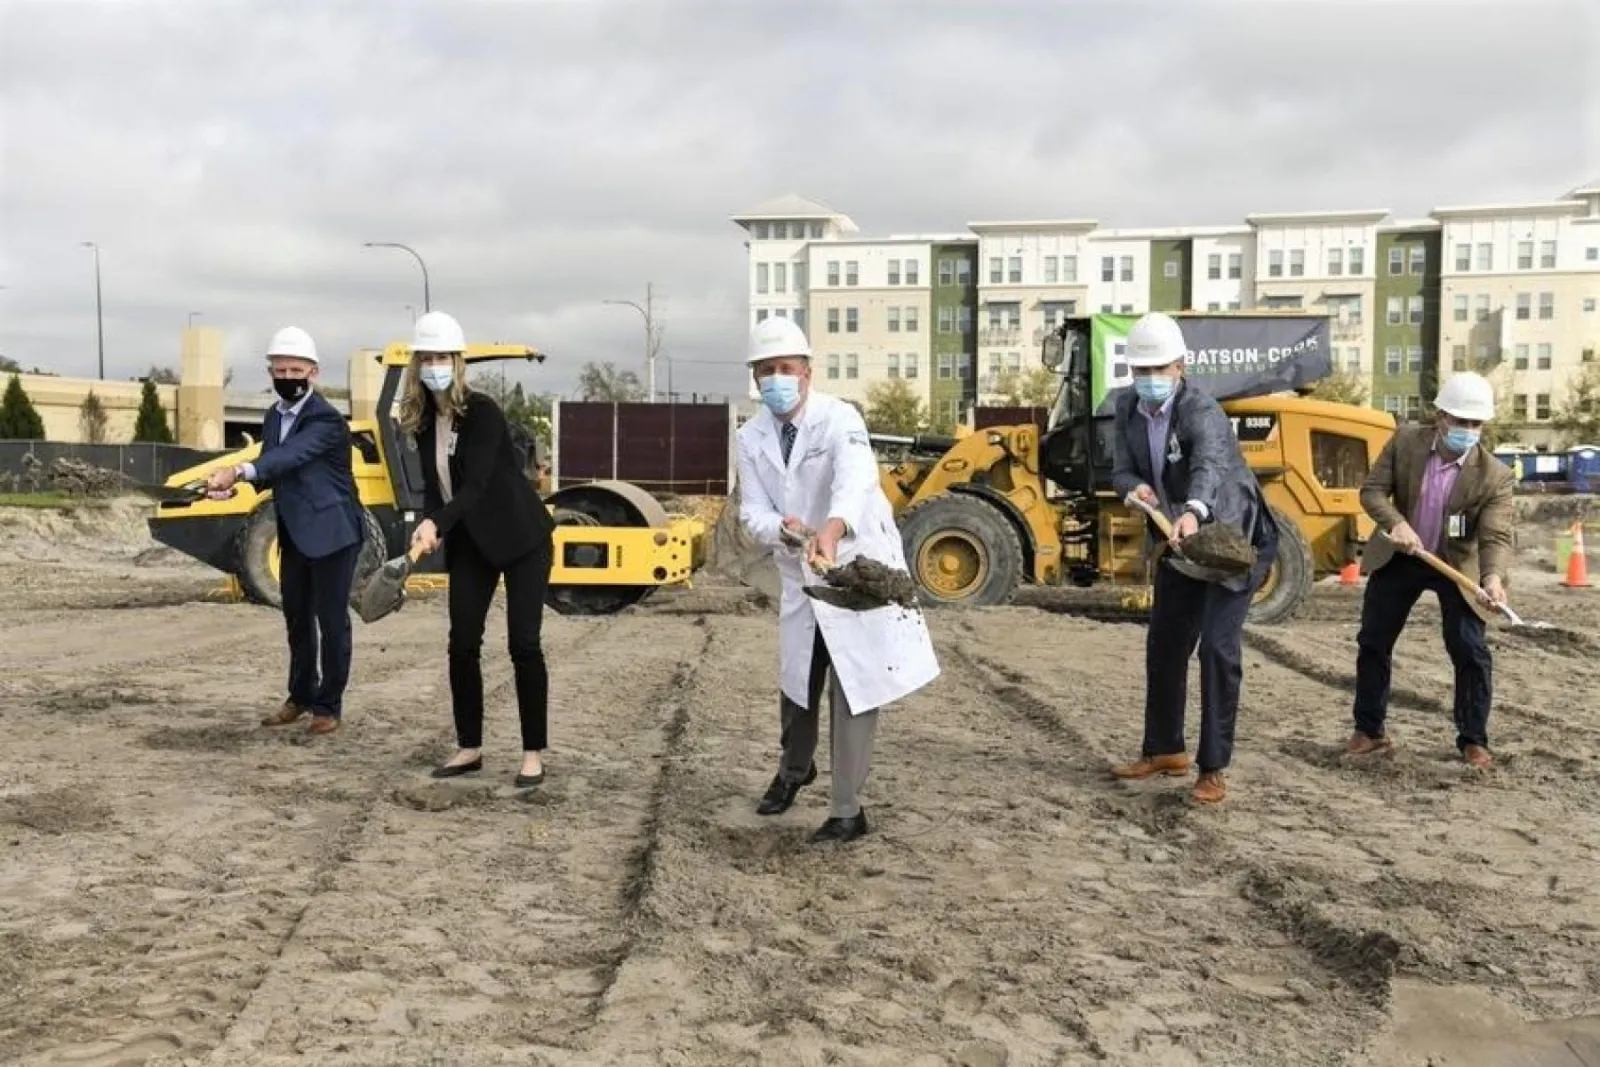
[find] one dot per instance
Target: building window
(851, 274)
(1297, 263)
(913, 272)
(1393, 405)
(852, 366)
(1396, 316)
(1069, 268)
(1108, 269)
(911, 364)
(996, 270)
(780, 277)
(911, 320)
(947, 366)
(800, 277)
(1547, 255)
(1169, 269)
(894, 320)
(1014, 270)
(1547, 305)
(1543, 354)
(1283, 303)
(1391, 359)
(1524, 306)
(1127, 309)
(1519, 407)
(851, 320)
(1463, 257)
(1483, 306)
(1397, 261)
(1275, 263)
(1236, 265)
(1485, 256)
(1520, 357)
(1233, 305)
(800, 317)
(1483, 355)
(761, 231)
(1414, 310)
(1051, 269)
(833, 366)
(964, 366)
(1419, 259)
(833, 320)
(1353, 358)
(1524, 255)
(1358, 261)
(1127, 268)
(1214, 306)
(963, 319)
(1541, 407)
(892, 364)
(1335, 262)
(963, 272)
(761, 314)
(894, 272)
(1414, 408)
(947, 272)
(833, 272)
(947, 320)
(1589, 305)
(816, 231)
(761, 277)
(1458, 357)
(1414, 359)
(1459, 304)
(1214, 266)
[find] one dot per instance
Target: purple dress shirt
(1157, 423)
(1428, 516)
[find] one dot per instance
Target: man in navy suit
(305, 461)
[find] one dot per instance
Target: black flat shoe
(523, 781)
(459, 769)
(780, 795)
(842, 830)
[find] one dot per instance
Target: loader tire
(961, 551)
(257, 554)
(1288, 581)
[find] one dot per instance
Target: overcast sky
(231, 158)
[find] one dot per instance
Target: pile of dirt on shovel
(1216, 544)
(873, 583)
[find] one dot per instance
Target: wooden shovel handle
(1162, 522)
(1471, 588)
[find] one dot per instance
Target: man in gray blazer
(1176, 450)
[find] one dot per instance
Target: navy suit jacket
(310, 477)
(1203, 463)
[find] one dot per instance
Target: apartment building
(1519, 290)
(1511, 289)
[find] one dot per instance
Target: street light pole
(648, 311)
(99, 315)
(427, 304)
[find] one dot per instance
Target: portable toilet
(1583, 468)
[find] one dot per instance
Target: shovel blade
(385, 591)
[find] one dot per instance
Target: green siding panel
(1171, 292)
(1400, 281)
(954, 296)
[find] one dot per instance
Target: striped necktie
(787, 437)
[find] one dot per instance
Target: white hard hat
(776, 337)
(1467, 396)
(438, 332)
(1155, 341)
(293, 341)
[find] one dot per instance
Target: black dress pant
(1392, 590)
(316, 603)
(472, 585)
(1187, 612)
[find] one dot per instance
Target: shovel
(187, 493)
(385, 591)
(1216, 569)
(1476, 597)
(860, 585)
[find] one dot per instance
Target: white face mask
(438, 376)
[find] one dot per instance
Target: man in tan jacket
(1436, 488)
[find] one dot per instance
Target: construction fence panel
(143, 462)
(663, 448)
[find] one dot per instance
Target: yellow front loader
(614, 542)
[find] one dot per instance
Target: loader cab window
(1340, 462)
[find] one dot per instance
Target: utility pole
(99, 315)
(427, 304)
(652, 339)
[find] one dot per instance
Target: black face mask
(290, 389)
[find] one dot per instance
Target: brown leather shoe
(284, 715)
(322, 724)
(1478, 756)
(1210, 788)
(1362, 745)
(1174, 765)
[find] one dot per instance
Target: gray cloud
(231, 159)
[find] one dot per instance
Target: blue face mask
(780, 392)
(1460, 439)
(1153, 389)
(438, 376)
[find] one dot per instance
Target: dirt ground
(182, 887)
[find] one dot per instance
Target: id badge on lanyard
(1456, 526)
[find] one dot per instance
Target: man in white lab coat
(808, 488)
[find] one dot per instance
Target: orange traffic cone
(1350, 574)
(1577, 564)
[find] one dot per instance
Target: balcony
(1000, 335)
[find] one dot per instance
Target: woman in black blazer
(481, 507)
